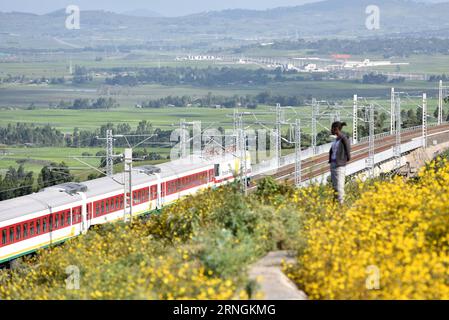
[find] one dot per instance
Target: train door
(90, 211)
(84, 221)
(163, 193)
(160, 192)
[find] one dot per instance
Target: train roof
(59, 195)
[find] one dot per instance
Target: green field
(67, 120)
(16, 98)
(45, 96)
(33, 159)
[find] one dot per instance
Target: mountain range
(330, 18)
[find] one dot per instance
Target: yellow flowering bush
(194, 249)
(392, 243)
(389, 241)
(115, 262)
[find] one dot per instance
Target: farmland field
(33, 159)
(35, 103)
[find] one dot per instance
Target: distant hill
(142, 13)
(331, 18)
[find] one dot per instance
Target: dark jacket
(343, 152)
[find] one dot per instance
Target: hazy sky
(164, 7)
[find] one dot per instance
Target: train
(68, 210)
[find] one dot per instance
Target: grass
(44, 96)
(33, 159)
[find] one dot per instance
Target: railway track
(319, 165)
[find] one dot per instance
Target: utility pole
(110, 137)
(109, 165)
(241, 151)
(397, 147)
(109, 153)
(298, 169)
(424, 120)
(440, 103)
(278, 135)
(127, 183)
(392, 112)
(315, 112)
(196, 138)
(355, 120)
(370, 159)
(183, 139)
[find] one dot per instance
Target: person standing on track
(339, 155)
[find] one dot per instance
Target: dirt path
(272, 282)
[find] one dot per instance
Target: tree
(16, 183)
(76, 138)
(144, 128)
(373, 78)
(54, 174)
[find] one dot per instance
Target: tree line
(210, 76)
(373, 78)
(436, 78)
(30, 134)
(387, 47)
(17, 182)
(84, 103)
(211, 101)
(46, 136)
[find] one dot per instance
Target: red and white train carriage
(65, 211)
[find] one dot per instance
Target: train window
(11, 235)
(44, 225)
(31, 229)
(117, 202)
(56, 221)
(25, 230)
(69, 218)
(153, 192)
(102, 207)
(50, 223)
(4, 237)
(97, 209)
(62, 219)
(18, 232)
(38, 226)
(217, 170)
